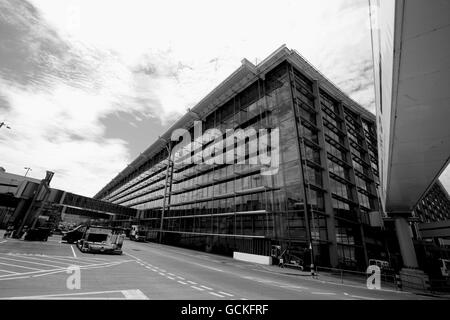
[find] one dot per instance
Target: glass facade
(318, 199)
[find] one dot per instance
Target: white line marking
(366, 298)
(171, 274)
(30, 262)
(66, 263)
(66, 294)
(46, 274)
(180, 278)
(163, 274)
(85, 267)
(192, 282)
(325, 293)
(89, 260)
(7, 271)
(182, 282)
(216, 294)
(14, 278)
(227, 294)
(171, 278)
(197, 288)
(207, 288)
(15, 265)
(134, 295)
(3, 241)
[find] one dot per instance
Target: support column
(411, 275)
(405, 242)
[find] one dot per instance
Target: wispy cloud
(82, 81)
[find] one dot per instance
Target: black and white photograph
(224, 155)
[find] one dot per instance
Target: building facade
(434, 206)
(320, 198)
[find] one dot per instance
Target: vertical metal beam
(169, 150)
(296, 119)
(331, 223)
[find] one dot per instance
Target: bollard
(312, 270)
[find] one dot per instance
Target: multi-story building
(434, 206)
(319, 197)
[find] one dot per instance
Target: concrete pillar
(405, 242)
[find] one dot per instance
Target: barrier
(252, 258)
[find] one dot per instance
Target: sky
(87, 85)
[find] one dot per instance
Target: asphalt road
(39, 270)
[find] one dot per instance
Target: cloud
(72, 72)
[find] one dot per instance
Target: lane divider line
(205, 287)
(216, 294)
(227, 294)
(73, 252)
(197, 288)
(182, 282)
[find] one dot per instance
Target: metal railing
(388, 281)
(352, 277)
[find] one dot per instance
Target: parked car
(74, 235)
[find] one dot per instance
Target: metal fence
(351, 277)
(389, 281)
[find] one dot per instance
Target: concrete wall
(252, 258)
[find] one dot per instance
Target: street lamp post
(28, 169)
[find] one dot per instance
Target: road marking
(207, 288)
(134, 295)
(3, 241)
(8, 271)
(197, 288)
(128, 294)
(294, 287)
(227, 294)
(14, 278)
(181, 282)
(171, 278)
(163, 274)
(180, 278)
(325, 293)
(216, 294)
(88, 260)
(46, 274)
(365, 298)
(40, 259)
(192, 282)
(15, 265)
(31, 262)
(63, 269)
(171, 274)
